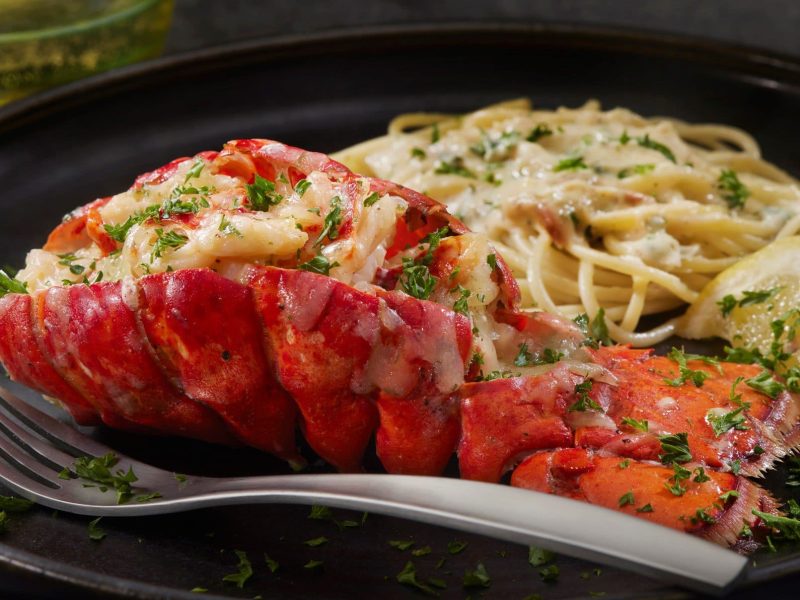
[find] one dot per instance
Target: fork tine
(38, 448)
(59, 434)
(27, 487)
(24, 463)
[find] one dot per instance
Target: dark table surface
(769, 24)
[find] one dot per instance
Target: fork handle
(552, 522)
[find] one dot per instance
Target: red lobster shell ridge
(234, 296)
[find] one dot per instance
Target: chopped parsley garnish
(95, 532)
(272, 565)
(456, 546)
(433, 239)
(320, 513)
(479, 578)
(746, 356)
(646, 142)
(673, 484)
(496, 149)
(596, 331)
(624, 464)
(734, 191)
(67, 260)
(749, 297)
(539, 132)
(700, 475)
(735, 466)
(332, 222)
(491, 260)
(788, 527)
(9, 285)
(318, 264)
(584, 402)
(436, 582)
(701, 515)
(570, 164)
(765, 383)
(408, 576)
(245, 570)
(424, 551)
(99, 471)
(228, 228)
(647, 508)
(174, 205)
(301, 187)
(675, 448)
(435, 136)
(728, 495)
(324, 513)
(401, 544)
(539, 556)
(732, 420)
(15, 505)
(633, 423)
(599, 328)
(261, 194)
(626, 499)
(525, 359)
(492, 375)
(624, 138)
(120, 232)
(313, 565)
(11, 504)
(195, 170)
(167, 240)
(642, 169)
(793, 471)
(417, 280)
(461, 305)
(687, 374)
(371, 199)
(454, 167)
(317, 541)
(550, 356)
(418, 153)
(549, 573)
(727, 304)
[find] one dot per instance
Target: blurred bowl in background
(44, 43)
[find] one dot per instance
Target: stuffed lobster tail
(241, 296)
(233, 296)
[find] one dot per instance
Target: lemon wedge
(742, 301)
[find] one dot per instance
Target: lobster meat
(234, 296)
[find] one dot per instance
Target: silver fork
(35, 447)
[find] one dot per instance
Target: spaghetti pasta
(595, 209)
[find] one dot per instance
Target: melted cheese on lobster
(200, 217)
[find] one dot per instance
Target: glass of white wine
(44, 43)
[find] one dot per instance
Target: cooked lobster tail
(236, 296)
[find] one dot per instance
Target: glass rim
(79, 26)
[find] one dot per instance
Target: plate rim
(762, 65)
(730, 57)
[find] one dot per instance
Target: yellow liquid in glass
(49, 42)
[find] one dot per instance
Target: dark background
(772, 24)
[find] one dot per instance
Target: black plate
(90, 139)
